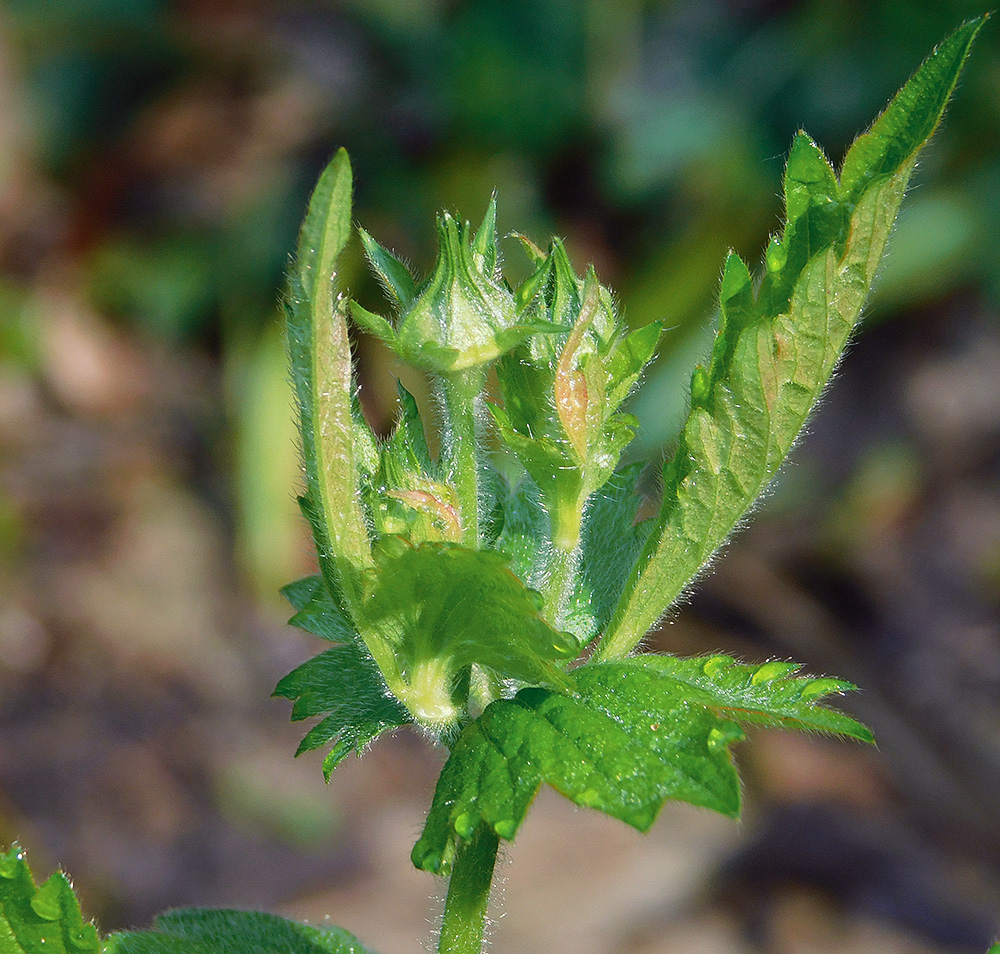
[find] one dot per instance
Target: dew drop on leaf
(715, 664)
(506, 828)
(45, 903)
(86, 938)
(771, 671)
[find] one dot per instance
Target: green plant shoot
(494, 594)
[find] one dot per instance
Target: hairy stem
(464, 924)
(460, 392)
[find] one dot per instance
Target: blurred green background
(155, 159)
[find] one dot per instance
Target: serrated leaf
(205, 931)
(775, 352)
(43, 919)
(317, 612)
(634, 734)
(320, 357)
(344, 686)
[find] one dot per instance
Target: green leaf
(317, 612)
(320, 356)
(517, 527)
(911, 117)
(439, 608)
(775, 351)
(40, 920)
(343, 685)
(205, 931)
(636, 733)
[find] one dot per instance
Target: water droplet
(506, 828)
(715, 664)
(720, 737)
(821, 687)
(776, 256)
(773, 670)
(429, 861)
(465, 825)
(45, 903)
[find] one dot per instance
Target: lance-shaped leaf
(43, 919)
(320, 356)
(634, 734)
(209, 931)
(776, 350)
(438, 608)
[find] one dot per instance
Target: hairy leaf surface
(777, 348)
(40, 920)
(320, 355)
(206, 931)
(634, 734)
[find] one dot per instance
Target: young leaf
(317, 612)
(636, 733)
(204, 931)
(775, 351)
(438, 608)
(40, 920)
(321, 371)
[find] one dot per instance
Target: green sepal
(774, 352)
(374, 324)
(484, 244)
(42, 919)
(393, 274)
(634, 734)
(218, 931)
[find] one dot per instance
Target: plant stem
(464, 924)
(460, 395)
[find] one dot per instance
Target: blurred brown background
(155, 159)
